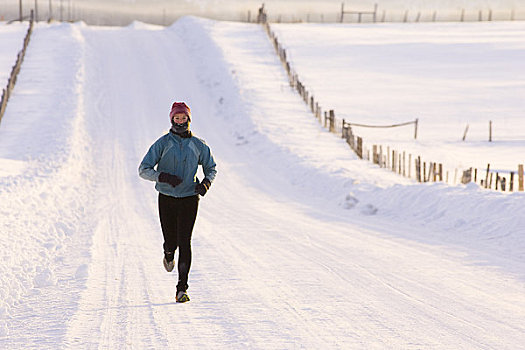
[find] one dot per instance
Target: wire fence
(6, 93)
(400, 162)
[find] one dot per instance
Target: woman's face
(180, 118)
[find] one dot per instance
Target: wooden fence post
(393, 161)
(360, 147)
(467, 176)
(520, 177)
(396, 161)
(418, 169)
(415, 129)
(404, 164)
(409, 164)
(3, 102)
(487, 176)
(465, 133)
(511, 184)
(332, 121)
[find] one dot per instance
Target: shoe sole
(168, 267)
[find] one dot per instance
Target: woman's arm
(147, 166)
(208, 163)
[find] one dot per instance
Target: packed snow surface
(298, 243)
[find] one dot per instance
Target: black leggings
(177, 217)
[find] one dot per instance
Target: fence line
(349, 125)
(359, 13)
(6, 93)
(385, 157)
(404, 16)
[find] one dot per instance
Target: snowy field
(298, 243)
(448, 75)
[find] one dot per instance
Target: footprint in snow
(44, 278)
(82, 272)
(350, 202)
(369, 209)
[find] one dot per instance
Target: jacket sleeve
(208, 163)
(147, 166)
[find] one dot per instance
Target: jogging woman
(176, 157)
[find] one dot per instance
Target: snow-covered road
(279, 262)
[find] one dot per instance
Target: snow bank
(44, 168)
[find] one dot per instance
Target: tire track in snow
(116, 304)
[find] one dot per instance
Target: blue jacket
(178, 156)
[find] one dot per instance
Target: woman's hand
(173, 180)
(203, 187)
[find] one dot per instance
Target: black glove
(203, 187)
(173, 180)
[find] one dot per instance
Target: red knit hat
(180, 107)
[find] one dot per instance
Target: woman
(177, 156)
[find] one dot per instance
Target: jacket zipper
(184, 161)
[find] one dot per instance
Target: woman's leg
(187, 213)
(168, 222)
